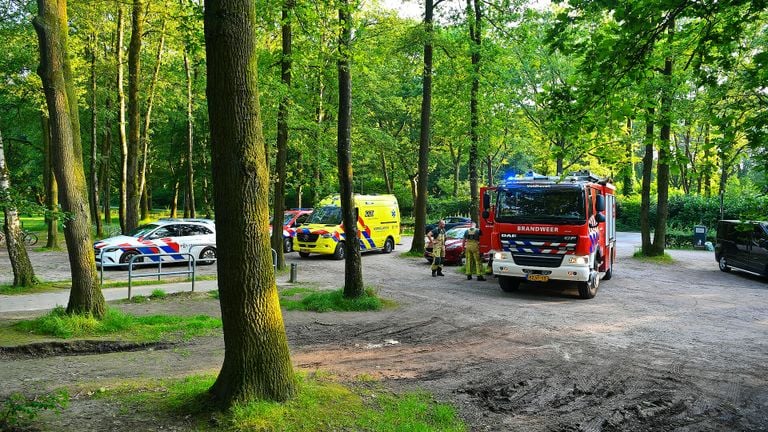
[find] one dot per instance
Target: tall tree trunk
(662, 167)
(628, 171)
(257, 362)
(282, 135)
(51, 189)
(385, 171)
(121, 115)
(145, 135)
(420, 210)
(23, 273)
(353, 268)
(645, 189)
(94, 171)
(133, 193)
(104, 166)
(559, 161)
(707, 163)
(67, 153)
(475, 35)
(190, 203)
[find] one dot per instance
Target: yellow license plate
(538, 278)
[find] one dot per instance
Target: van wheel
(338, 253)
(389, 246)
(723, 264)
(509, 284)
(303, 254)
(288, 245)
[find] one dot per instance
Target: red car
(292, 219)
(454, 246)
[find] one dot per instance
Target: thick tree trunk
(662, 167)
(475, 35)
(51, 189)
(707, 164)
(420, 204)
(121, 116)
(94, 171)
(23, 273)
(257, 363)
(189, 209)
(133, 194)
(628, 172)
(104, 169)
(645, 189)
(145, 135)
(282, 135)
(353, 269)
(55, 73)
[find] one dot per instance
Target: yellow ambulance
(378, 225)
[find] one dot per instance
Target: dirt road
(662, 347)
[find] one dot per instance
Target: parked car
(166, 236)
(454, 246)
(291, 220)
(742, 245)
(450, 222)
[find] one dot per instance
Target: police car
(175, 237)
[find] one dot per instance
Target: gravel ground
(662, 347)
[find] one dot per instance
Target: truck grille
(532, 260)
(307, 237)
(540, 244)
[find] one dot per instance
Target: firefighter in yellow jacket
(437, 241)
(472, 253)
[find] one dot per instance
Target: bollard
(294, 267)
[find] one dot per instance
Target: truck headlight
(580, 260)
(502, 256)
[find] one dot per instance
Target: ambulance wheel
(588, 289)
(125, 258)
(303, 254)
(509, 284)
(288, 245)
(338, 253)
(389, 246)
(207, 256)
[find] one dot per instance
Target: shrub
(18, 411)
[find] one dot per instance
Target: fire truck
(542, 228)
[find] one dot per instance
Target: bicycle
(28, 237)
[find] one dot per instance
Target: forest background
(671, 92)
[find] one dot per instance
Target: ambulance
(378, 226)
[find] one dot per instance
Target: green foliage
(321, 404)
(40, 287)
(659, 259)
(158, 294)
(17, 411)
(326, 301)
(441, 207)
(59, 324)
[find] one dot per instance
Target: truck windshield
(559, 204)
(329, 215)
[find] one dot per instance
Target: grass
(326, 301)
(117, 324)
(321, 403)
(659, 259)
(40, 287)
(411, 254)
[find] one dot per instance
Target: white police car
(175, 237)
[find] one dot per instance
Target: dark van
(743, 245)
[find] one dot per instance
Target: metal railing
(191, 268)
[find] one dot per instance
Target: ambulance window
(301, 219)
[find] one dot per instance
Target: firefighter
(437, 241)
(472, 253)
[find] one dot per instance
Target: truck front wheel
(588, 289)
(509, 284)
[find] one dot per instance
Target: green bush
(442, 207)
(18, 411)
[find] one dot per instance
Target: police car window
(198, 230)
(165, 231)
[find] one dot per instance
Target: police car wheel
(207, 256)
(338, 253)
(288, 245)
(125, 258)
(389, 246)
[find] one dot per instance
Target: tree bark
(707, 163)
(353, 269)
(645, 189)
(23, 272)
(51, 189)
(56, 76)
(628, 172)
(133, 193)
(257, 363)
(121, 115)
(475, 35)
(189, 209)
(282, 135)
(106, 162)
(94, 168)
(662, 167)
(420, 205)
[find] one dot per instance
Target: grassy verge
(321, 404)
(305, 299)
(119, 284)
(411, 254)
(660, 259)
(119, 325)
(41, 287)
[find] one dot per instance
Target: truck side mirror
(486, 214)
(600, 218)
(600, 203)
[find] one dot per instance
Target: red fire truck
(540, 229)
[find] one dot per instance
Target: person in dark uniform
(437, 241)
(472, 253)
